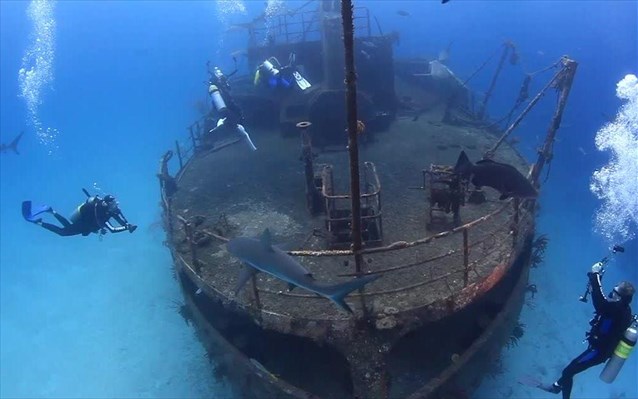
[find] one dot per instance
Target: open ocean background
(106, 88)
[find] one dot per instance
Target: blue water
(109, 86)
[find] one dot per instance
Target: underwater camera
(603, 262)
(618, 248)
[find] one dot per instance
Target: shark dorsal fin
(266, 240)
(463, 165)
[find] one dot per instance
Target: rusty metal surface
(265, 189)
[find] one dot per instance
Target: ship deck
(250, 191)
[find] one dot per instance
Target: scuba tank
(76, 216)
(621, 353)
(218, 101)
(270, 68)
(269, 72)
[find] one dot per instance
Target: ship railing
(520, 215)
(302, 26)
(488, 245)
(185, 152)
(338, 213)
(519, 225)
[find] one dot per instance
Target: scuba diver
(610, 329)
(230, 115)
(92, 216)
(272, 74)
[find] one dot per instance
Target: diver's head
(624, 292)
(218, 73)
(111, 204)
(220, 78)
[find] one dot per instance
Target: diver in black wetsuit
(230, 115)
(613, 316)
(231, 112)
(90, 217)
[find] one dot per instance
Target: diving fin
(301, 81)
(534, 382)
(30, 214)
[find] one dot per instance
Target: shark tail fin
(463, 165)
(14, 144)
(337, 293)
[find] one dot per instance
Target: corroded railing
(519, 222)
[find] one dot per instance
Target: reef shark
(500, 176)
(13, 145)
(258, 254)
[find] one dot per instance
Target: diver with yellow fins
(230, 115)
(273, 75)
(612, 335)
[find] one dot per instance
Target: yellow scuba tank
(621, 353)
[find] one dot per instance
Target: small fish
(444, 1)
(260, 255)
(239, 27)
(365, 54)
(13, 145)
(582, 151)
(239, 53)
(500, 176)
(368, 44)
(403, 13)
(540, 53)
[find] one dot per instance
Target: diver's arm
(597, 295)
(119, 217)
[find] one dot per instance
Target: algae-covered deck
(240, 193)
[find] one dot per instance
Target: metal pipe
(253, 281)
(188, 230)
(309, 170)
(179, 155)
(519, 119)
(516, 204)
(488, 94)
(353, 146)
(192, 136)
(466, 258)
(564, 84)
(331, 45)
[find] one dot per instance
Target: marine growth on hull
(260, 219)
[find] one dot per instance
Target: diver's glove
(131, 227)
(597, 267)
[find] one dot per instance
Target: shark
(500, 176)
(13, 145)
(259, 255)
